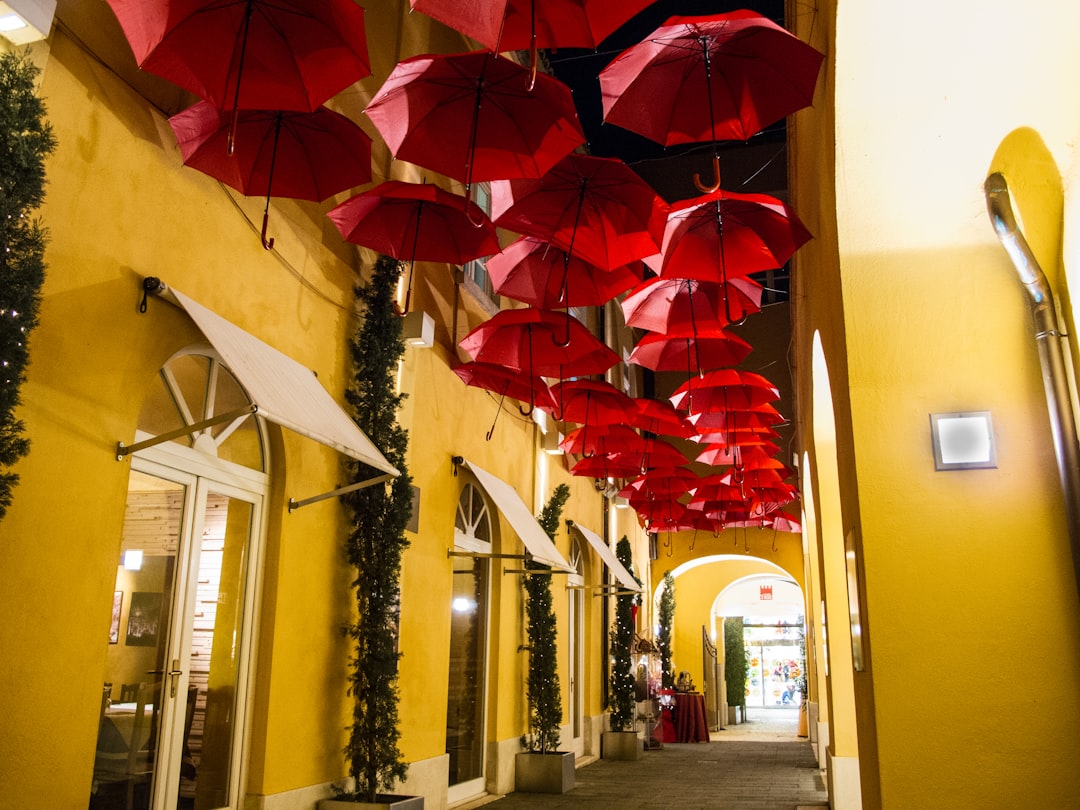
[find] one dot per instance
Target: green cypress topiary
(542, 688)
(666, 617)
(377, 541)
(622, 638)
(26, 139)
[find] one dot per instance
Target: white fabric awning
(609, 558)
(536, 541)
(285, 392)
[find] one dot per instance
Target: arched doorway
(179, 658)
(467, 687)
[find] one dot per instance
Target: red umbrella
(592, 441)
(763, 417)
(595, 208)
(599, 466)
(748, 457)
(743, 438)
(689, 350)
(723, 235)
(416, 222)
(542, 275)
(724, 389)
(531, 340)
(472, 117)
(750, 71)
(669, 304)
(254, 55)
(301, 155)
(592, 402)
(661, 483)
(506, 383)
(656, 454)
(660, 416)
(513, 25)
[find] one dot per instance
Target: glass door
(174, 692)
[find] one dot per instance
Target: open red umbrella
(747, 457)
(660, 417)
(416, 222)
(661, 483)
(506, 382)
(690, 350)
(300, 155)
(602, 440)
(592, 402)
(532, 340)
(595, 208)
(700, 79)
(252, 55)
(656, 454)
(472, 117)
(723, 235)
(543, 275)
(669, 304)
(599, 466)
(724, 389)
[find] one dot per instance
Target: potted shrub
(621, 742)
(375, 544)
(666, 618)
(541, 767)
(735, 669)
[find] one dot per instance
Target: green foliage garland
(26, 139)
(735, 661)
(376, 541)
(542, 689)
(622, 637)
(666, 616)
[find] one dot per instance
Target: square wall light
(963, 440)
(23, 21)
(418, 329)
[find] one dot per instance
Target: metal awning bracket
(370, 482)
(483, 555)
(126, 450)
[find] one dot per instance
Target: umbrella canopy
(763, 417)
(751, 457)
(724, 389)
(301, 155)
(723, 235)
(655, 454)
(591, 441)
(472, 117)
(254, 55)
(660, 416)
(690, 350)
(542, 275)
(595, 208)
(750, 71)
(662, 483)
(670, 304)
(511, 25)
(416, 221)
(592, 402)
(600, 466)
(507, 382)
(536, 341)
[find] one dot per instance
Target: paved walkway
(758, 765)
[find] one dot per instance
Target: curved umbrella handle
(527, 412)
(716, 178)
(268, 244)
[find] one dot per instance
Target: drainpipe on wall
(1048, 339)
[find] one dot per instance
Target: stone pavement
(758, 765)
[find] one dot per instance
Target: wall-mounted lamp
(418, 329)
(620, 503)
(23, 21)
(963, 441)
(133, 559)
(551, 442)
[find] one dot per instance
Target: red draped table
(685, 721)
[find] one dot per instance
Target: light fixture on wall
(23, 21)
(963, 440)
(552, 439)
(133, 559)
(418, 329)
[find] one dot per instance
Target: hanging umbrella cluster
(263, 69)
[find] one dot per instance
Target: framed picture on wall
(114, 628)
(143, 618)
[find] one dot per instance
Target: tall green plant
(26, 139)
(622, 637)
(542, 688)
(666, 617)
(376, 541)
(735, 661)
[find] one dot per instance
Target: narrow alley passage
(758, 765)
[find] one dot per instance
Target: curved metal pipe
(1048, 339)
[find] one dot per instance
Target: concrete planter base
(621, 745)
(544, 773)
(383, 801)
(734, 715)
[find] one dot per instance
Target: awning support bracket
(126, 450)
(370, 482)
(483, 555)
(535, 571)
